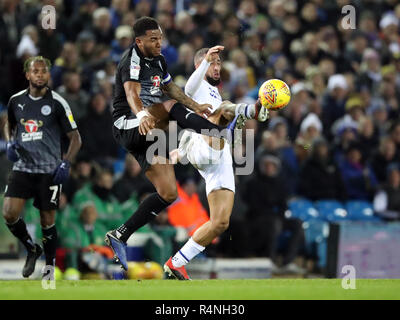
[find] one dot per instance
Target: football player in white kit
(211, 156)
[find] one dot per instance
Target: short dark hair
(143, 24)
(31, 60)
(200, 55)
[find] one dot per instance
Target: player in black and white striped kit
(37, 119)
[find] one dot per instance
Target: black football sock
(50, 244)
(147, 211)
(187, 119)
(18, 229)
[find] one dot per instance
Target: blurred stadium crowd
(339, 138)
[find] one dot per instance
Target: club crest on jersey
(156, 84)
(46, 110)
(31, 128)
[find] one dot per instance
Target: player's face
(214, 70)
(150, 43)
(38, 75)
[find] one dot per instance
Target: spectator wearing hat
(266, 197)
(102, 27)
(319, 177)
(333, 102)
(387, 200)
(123, 40)
(311, 128)
(359, 179)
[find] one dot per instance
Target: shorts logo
(31, 128)
(156, 84)
(46, 110)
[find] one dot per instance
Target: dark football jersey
(150, 72)
(39, 125)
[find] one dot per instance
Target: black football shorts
(140, 147)
(39, 186)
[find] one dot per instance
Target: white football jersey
(200, 90)
(208, 94)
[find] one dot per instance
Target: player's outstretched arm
(176, 93)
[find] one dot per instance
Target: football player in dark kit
(37, 119)
(146, 98)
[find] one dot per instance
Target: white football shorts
(215, 166)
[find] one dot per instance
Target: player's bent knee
(169, 196)
(10, 215)
(219, 226)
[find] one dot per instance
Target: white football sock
(187, 253)
(248, 110)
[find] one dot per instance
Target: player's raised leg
(162, 176)
(221, 204)
(12, 209)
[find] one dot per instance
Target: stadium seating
(302, 209)
(360, 211)
(331, 210)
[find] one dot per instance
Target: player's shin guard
(147, 211)
(18, 229)
(187, 119)
(50, 244)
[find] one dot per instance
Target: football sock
(187, 253)
(247, 110)
(18, 229)
(188, 119)
(50, 244)
(147, 211)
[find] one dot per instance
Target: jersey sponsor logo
(31, 128)
(156, 84)
(46, 110)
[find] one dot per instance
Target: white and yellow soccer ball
(274, 94)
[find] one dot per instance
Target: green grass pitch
(274, 289)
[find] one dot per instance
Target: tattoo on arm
(176, 93)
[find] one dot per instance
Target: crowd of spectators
(339, 138)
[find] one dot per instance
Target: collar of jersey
(45, 95)
(140, 54)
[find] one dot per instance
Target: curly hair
(31, 60)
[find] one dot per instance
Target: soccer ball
(274, 94)
(144, 270)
